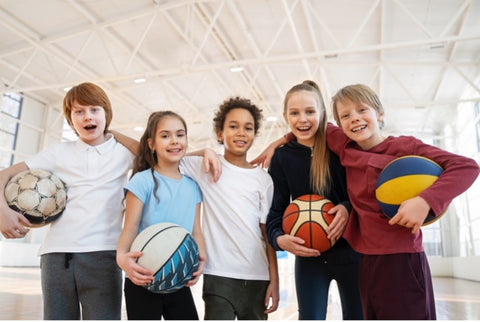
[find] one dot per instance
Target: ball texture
(307, 217)
(37, 194)
(170, 251)
(405, 178)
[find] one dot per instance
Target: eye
(344, 116)
(164, 136)
(311, 112)
(232, 126)
(249, 128)
(293, 113)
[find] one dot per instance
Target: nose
(88, 115)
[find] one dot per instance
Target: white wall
(458, 267)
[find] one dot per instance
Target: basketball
(307, 217)
(405, 178)
(170, 251)
(37, 194)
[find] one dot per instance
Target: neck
(168, 170)
(238, 160)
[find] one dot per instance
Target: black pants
(145, 305)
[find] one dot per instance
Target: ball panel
(399, 189)
(409, 165)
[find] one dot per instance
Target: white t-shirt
(95, 177)
(234, 208)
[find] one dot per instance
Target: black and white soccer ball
(37, 194)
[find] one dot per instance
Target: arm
(12, 223)
(273, 288)
(211, 162)
(198, 236)
(459, 173)
(126, 259)
(131, 144)
(264, 158)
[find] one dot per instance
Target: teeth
(359, 128)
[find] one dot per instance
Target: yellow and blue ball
(405, 178)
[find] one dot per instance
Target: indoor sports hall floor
(20, 296)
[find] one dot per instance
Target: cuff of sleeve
(289, 137)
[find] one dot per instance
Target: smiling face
(170, 140)
(238, 133)
(303, 113)
(360, 122)
(89, 122)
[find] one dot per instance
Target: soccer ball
(37, 194)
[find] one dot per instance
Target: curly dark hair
(236, 102)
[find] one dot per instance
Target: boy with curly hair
(241, 275)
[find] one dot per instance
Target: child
(394, 277)
(306, 166)
(241, 276)
(158, 192)
(80, 277)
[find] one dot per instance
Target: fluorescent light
(138, 128)
(236, 69)
(139, 80)
(272, 118)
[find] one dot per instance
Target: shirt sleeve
(280, 201)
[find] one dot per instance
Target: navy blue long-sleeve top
(290, 171)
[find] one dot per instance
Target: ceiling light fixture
(236, 69)
(139, 80)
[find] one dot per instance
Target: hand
(337, 226)
(212, 163)
(295, 246)
(198, 273)
(411, 214)
(13, 224)
(266, 156)
(137, 274)
(272, 297)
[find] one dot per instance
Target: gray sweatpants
(81, 285)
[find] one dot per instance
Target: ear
(380, 117)
(220, 137)
(150, 143)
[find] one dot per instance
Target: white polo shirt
(95, 177)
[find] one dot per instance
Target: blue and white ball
(170, 251)
(405, 178)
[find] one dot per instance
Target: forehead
(239, 115)
(77, 105)
(170, 123)
(301, 99)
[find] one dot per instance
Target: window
(9, 115)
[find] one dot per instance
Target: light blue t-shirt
(176, 202)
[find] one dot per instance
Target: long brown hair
(319, 166)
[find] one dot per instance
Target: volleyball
(37, 194)
(405, 178)
(307, 217)
(170, 251)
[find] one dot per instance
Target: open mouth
(304, 128)
(359, 128)
(90, 127)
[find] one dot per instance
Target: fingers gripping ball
(170, 251)
(405, 178)
(307, 217)
(37, 194)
